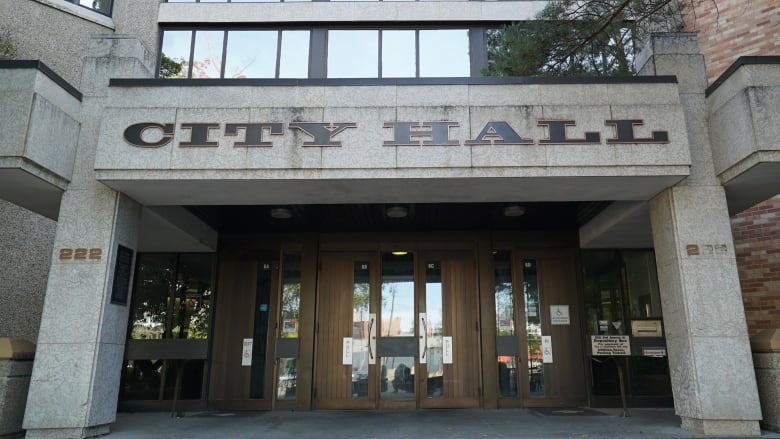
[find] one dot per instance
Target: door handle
(371, 339)
(423, 338)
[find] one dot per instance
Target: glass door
(449, 331)
(346, 355)
(397, 330)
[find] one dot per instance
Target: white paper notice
(347, 351)
(246, 352)
(447, 354)
(559, 315)
(547, 349)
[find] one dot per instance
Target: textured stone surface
(768, 378)
(26, 238)
(709, 356)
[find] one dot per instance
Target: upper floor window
(102, 6)
(316, 53)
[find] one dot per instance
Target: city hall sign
(324, 134)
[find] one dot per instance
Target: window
(247, 54)
(348, 53)
(172, 299)
(102, 6)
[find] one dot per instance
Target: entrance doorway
(397, 330)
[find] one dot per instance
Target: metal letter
(199, 135)
(134, 134)
(624, 132)
(253, 136)
(404, 132)
(557, 133)
(322, 132)
(499, 133)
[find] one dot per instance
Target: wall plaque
(123, 271)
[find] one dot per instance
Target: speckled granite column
(710, 360)
(76, 374)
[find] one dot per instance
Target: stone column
(710, 361)
(78, 362)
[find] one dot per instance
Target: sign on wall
(610, 345)
(559, 315)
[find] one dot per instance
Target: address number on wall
(81, 254)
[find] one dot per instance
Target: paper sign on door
(447, 354)
(547, 349)
(246, 352)
(347, 351)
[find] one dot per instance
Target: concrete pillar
(76, 374)
(710, 361)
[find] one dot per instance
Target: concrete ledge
(58, 433)
(721, 427)
(16, 349)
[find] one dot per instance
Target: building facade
(318, 205)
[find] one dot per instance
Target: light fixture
(514, 210)
(397, 212)
(281, 213)
(399, 253)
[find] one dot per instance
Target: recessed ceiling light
(400, 253)
(281, 213)
(397, 212)
(514, 210)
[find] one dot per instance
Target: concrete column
(710, 361)
(76, 374)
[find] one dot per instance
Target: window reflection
(533, 328)
(444, 53)
(175, 56)
(251, 54)
(353, 53)
(397, 320)
(294, 57)
(434, 330)
(291, 295)
(361, 292)
(207, 56)
(398, 54)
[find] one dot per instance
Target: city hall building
(326, 205)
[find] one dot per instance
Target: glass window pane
(103, 6)
(294, 59)
(207, 58)
(353, 53)
(142, 379)
(644, 297)
(193, 296)
(434, 330)
(291, 295)
(287, 378)
(398, 54)
(444, 53)
(251, 54)
(397, 320)
(360, 329)
(505, 301)
(153, 282)
(175, 53)
(533, 328)
(507, 375)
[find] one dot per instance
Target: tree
(581, 37)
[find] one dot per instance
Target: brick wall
(729, 29)
(757, 242)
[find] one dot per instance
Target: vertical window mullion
(278, 52)
(192, 55)
(417, 53)
(224, 54)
